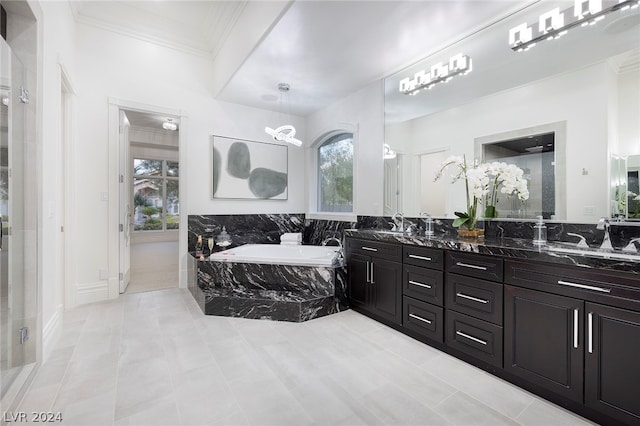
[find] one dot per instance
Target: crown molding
(127, 32)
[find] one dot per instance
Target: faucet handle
(583, 240)
(631, 247)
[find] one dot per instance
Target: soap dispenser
(539, 232)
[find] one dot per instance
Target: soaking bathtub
(272, 281)
(281, 254)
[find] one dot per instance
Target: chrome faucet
(324, 243)
(631, 247)
(398, 222)
(606, 241)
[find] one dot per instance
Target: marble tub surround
(517, 248)
(318, 230)
(265, 291)
(244, 228)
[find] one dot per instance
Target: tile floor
(154, 266)
(154, 359)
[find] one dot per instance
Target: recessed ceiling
(198, 27)
(327, 50)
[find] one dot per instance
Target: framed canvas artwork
(249, 170)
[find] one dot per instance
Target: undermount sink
(571, 248)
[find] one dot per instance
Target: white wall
(58, 51)
(113, 66)
(362, 111)
(579, 98)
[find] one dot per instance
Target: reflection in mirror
(633, 186)
(588, 80)
(619, 196)
(539, 152)
(392, 185)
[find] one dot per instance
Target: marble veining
(243, 229)
(318, 230)
(516, 248)
(268, 291)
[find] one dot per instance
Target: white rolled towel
(290, 243)
(295, 237)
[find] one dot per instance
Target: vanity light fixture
(284, 133)
(556, 23)
(440, 73)
(168, 124)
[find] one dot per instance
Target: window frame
(314, 211)
(164, 177)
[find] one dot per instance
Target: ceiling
(326, 50)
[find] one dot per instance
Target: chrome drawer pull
(415, 256)
(586, 287)
(372, 281)
(419, 284)
(466, 265)
(590, 325)
(368, 272)
(369, 248)
(475, 339)
(475, 299)
(575, 328)
(420, 318)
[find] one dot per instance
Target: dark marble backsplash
(243, 228)
(267, 228)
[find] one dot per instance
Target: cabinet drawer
(423, 318)
(392, 252)
(423, 284)
(423, 257)
(478, 298)
(621, 289)
(475, 265)
(480, 339)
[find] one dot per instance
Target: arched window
(335, 174)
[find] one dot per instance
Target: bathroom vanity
(564, 326)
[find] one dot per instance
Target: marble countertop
(514, 248)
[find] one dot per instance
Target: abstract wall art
(249, 170)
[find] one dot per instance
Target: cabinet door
(543, 342)
(386, 290)
(612, 362)
(358, 267)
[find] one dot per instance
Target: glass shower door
(18, 209)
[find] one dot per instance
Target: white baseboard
(51, 333)
(92, 292)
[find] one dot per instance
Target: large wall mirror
(583, 88)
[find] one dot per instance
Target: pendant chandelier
(286, 132)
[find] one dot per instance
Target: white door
(433, 194)
(125, 203)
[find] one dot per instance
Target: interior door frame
(115, 208)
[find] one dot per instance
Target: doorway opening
(150, 201)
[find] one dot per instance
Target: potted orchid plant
(475, 181)
(507, 179)
(483, 182)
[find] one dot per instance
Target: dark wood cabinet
(386, 289)
(375, 283)
(543, 340)
(358, 270)
(423, 318)
(612, 362)
(569, 334)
